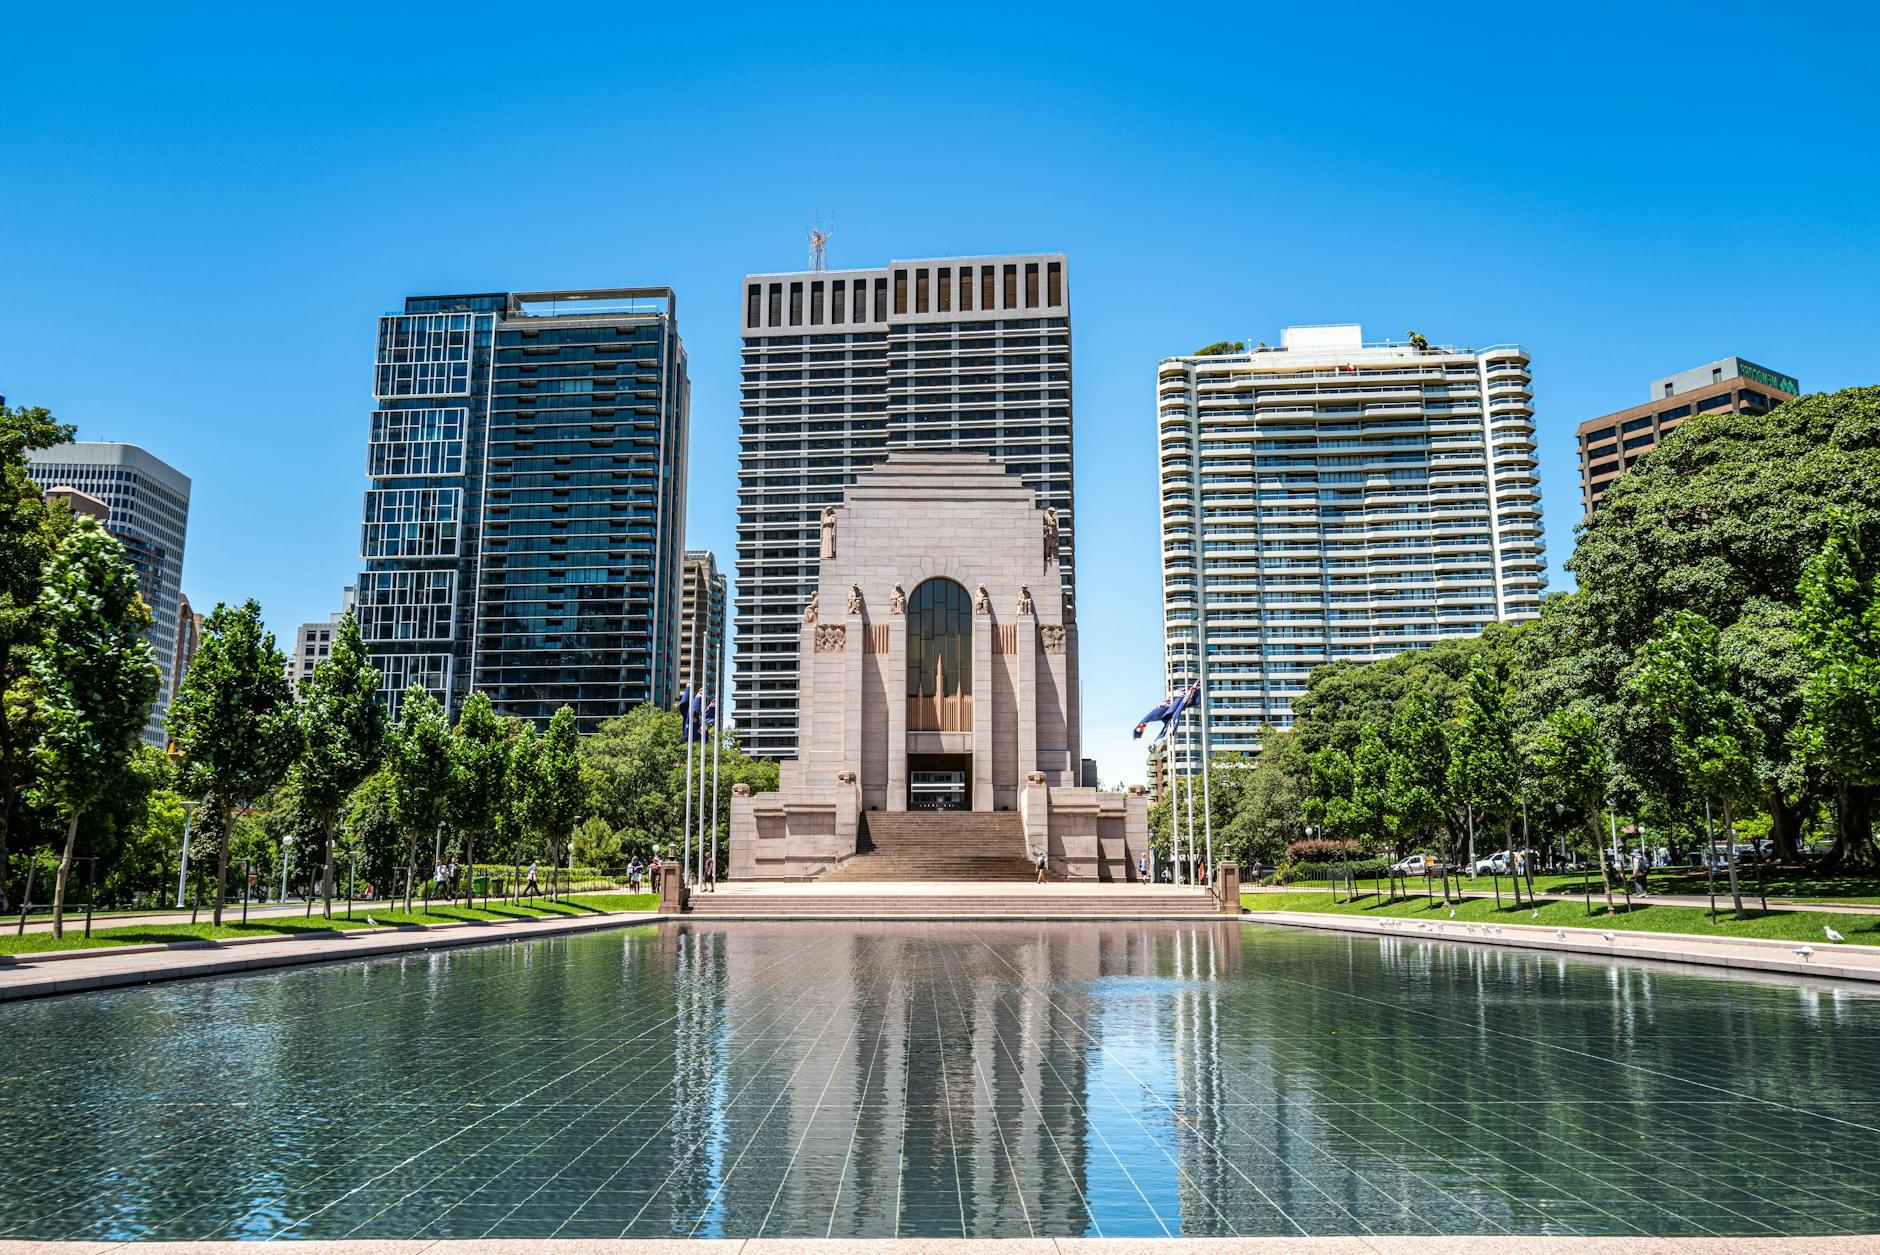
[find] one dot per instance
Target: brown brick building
(1612, 444)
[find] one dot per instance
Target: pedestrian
(1040, 863)
(1639, 871)
(711, 871)
(530, 888)
(1142, 868)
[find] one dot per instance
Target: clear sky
(202, 212)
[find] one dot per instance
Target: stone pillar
(982, 712)
(1227, 888)
(1027, 672)
(896, 688)
(672, 891)
(852, 695)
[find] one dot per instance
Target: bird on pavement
(1608, 936)
(1561, 933)
(1832, 935)
(1802, 952)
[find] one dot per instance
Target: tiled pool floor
(864, 1080)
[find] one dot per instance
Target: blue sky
(203, 210)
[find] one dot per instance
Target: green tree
(342, 729)
(1416, 788)
(1482, 764)
(555, 793)
(371, 836)
(29, 530)
(1569, 757)
(1838, 634)
(597, 845)
(94, 678)
(638, 773)
(234, 721)
(479, 752)
(1682, 679)
(418, 756)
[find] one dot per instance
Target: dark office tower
(526, 514)
(964, 354)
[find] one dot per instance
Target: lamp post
(182, 874)
(287, 856)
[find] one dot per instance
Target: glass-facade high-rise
(957, 354)
(147, 503)
(525, 516)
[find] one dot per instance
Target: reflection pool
(946, 1079)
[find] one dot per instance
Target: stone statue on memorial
(897, 600)
(1050, 535)
(982, 601)
(1024, 599)
(855, 599)
(829, 531)
(809, 611)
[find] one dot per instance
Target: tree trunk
(326, 876)
(6, 825)
(1853, 827)
(1729, 841)
(1784, 825)
(1599, 851)
(225, 811)
(65, 870)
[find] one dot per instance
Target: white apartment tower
(1331, 499)
(959, 354)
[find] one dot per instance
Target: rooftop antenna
(819, 247)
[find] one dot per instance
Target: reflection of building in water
(924, 1080)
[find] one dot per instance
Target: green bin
(479, 886)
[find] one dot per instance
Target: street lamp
(287, 856)
(182, 875)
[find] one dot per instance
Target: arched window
(939, 658)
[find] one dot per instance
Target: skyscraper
(1332, 499)
(702, 616)
(313, 643)
(148, 501)
(525, 516)
(1612, 444)
(966, 354)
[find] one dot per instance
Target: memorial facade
(939, 678)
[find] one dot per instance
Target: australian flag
(685, 712)
(1169, 713)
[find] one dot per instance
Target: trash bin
(479, 886)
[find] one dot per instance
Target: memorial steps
(977, 846)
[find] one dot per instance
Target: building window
(987, 298)
(1716, 374)
(796, 304)
(753, 305)
(776, 305)
(881, 300)
(944, 290)
(900, 291)
(920, 291)
(939, 658)
(816, 302)
(1054, 275)
(1011, 287)
(966, 288)
(837, 291)
(1031, 285)
(1638, 424)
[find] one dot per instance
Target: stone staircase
(939, 845)
(951, 900)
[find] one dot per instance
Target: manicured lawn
(1800, 886)
(440, 913)
(1783, 925)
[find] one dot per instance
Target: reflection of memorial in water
(927, 1079)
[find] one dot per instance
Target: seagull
(1832, 935)
(1561, 933)
(1608, 936)
(1802, 952)
(372, 921)
(1452, 914)
(1534, 914)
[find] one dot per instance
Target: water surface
(867, 1080)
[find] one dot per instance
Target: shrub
(1321, 850)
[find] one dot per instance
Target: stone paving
(1408, 1245)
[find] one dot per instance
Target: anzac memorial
(939, 697)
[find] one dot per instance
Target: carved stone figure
(1024, 599)
(897, 600)
(740, 790)
(1053, 636)
(845, 777)
(1034, 777)
(809, 611)
(831, 638)
(829, 531)
(855, 599)
(1050, 535)
(982, 601)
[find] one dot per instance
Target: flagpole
(685, 724)
(717, 741)
(1207, 789)
(1175, 805)
(1191, 818)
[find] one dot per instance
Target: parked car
(1418, 865)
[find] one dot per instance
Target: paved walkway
(42, 923)
(69, 971)
(1837, 962)
(1700, 901)
(1496, 1245)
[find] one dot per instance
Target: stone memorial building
(939, 696)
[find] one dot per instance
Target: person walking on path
(1040, 862)
(1639, 872)
(1142, 868)
(531, 888)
